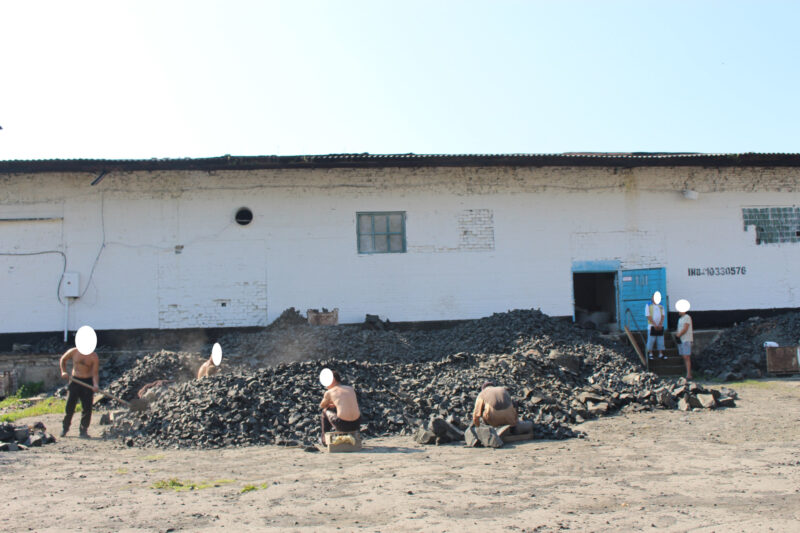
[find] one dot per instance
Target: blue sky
(144, 79)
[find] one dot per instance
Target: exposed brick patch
(476, 230)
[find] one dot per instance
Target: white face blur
(86, 340)
(326, 377)
(216, 354)
(657, 297)
(682, 306)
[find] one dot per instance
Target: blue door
(636, 290)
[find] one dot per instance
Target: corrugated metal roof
(366, 160)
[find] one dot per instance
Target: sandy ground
(728, 470)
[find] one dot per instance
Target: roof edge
(366, 160)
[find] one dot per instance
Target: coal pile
(115, 366)
(296, 340)
(17, 438)
(290, 317)
(161, 365)
(738, 353)
(49, 344)
(558, 375)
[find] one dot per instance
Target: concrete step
(671, 366)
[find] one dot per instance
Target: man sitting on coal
(339, 406)
(494, 406)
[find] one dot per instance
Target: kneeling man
(494, 407)
(207, 369)
(339, 406)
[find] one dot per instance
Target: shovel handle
(104, 393)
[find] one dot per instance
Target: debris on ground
(738, 352)
(17, 438)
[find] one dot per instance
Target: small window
(774, 225)
(381, 233)
(244, 216)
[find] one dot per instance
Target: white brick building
(156, 243)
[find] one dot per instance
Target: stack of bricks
(323, 318)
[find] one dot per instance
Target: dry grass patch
(177, 485)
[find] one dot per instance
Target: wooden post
(636, 346)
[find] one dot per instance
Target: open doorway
(596, 300)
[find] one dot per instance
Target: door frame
(603, 266)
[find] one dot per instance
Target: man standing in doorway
(655, 326)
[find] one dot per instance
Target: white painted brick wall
(479, 240)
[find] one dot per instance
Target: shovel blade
(138, 404)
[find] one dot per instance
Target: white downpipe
(66, 316)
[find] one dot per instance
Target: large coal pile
(557, 374)
(739, 353)
(296, 340)
(113, 367)
(162, 365)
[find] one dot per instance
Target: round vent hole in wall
(244, 216)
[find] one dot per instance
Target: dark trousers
(331, 422)
(86, 396)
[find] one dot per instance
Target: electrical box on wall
(71, 285)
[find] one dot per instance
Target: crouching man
(207, 369)
(495, 407)
(339, 406)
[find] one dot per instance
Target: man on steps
(655, 326)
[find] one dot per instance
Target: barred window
(381, 232)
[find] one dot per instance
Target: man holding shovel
(86, 368)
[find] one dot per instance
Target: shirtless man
(207, 369)
(494, 407)
(85, 368)
(339, 406)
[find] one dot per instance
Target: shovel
(136, 404)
